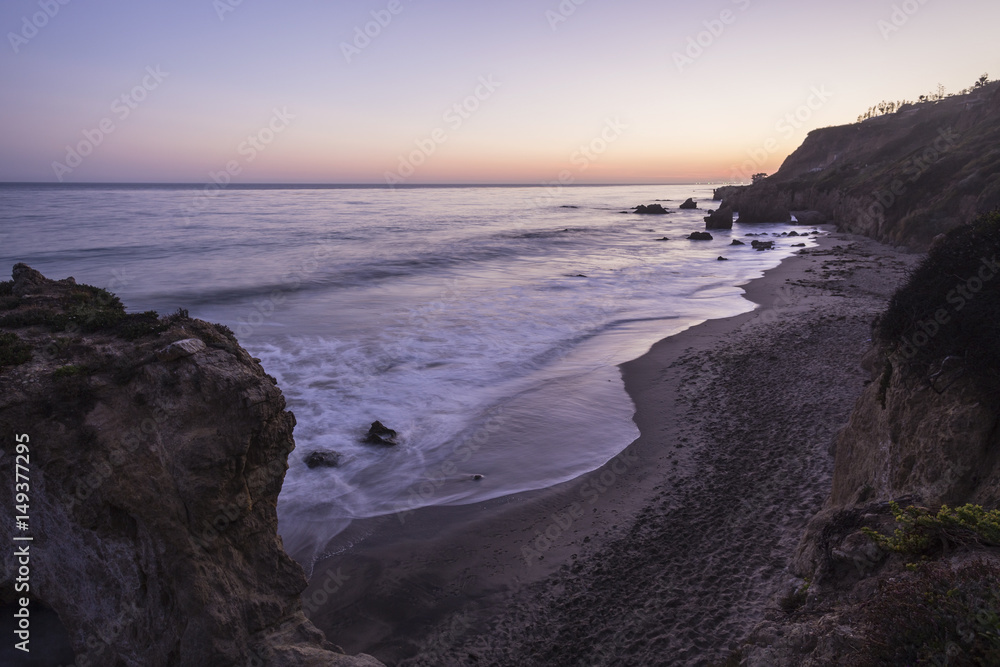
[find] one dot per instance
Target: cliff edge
(901, 178)
(902, 566)
(153, 451)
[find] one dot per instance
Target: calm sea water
(485, 325)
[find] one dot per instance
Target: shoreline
(440, 579)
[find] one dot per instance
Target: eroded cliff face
(901, 179)
(932, 436)
(158, 447)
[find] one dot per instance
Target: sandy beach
(672, 551)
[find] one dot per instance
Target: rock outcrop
(901, 178)
(651, 209)
(700, 236)
(721, 219)
(925, 433)
(158, 447)
(688, 205)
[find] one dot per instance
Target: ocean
(484, 324)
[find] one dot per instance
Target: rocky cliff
(154, 451)
(925, 433)
(902, 178)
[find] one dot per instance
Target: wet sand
(672, 551)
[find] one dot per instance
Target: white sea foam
(484, 325)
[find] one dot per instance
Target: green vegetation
(84, 309)
(950, 307)
(13, 351)
(137, 325)
(69, 371)
(935, 616)
(886, 107)
(921, 530)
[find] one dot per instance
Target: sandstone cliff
(158, 447)
(925, 432)
(902, 178)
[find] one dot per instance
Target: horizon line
(400, 186)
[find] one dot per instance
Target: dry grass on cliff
(935, 615)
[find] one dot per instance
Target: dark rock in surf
(700, 236)
(721, 219)
(762, 245)
(651, 209)
(737, 242)
(688, 205)
(380, 434)
(323, 459)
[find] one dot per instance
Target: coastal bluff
(156, 450)
(924, 435)
(902, 178)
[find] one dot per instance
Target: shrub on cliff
(921, 530)
(950, 306)
(13, 351)
(935, 616)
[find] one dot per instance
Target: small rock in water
(380, 434)
(723, 259)
(323, 459)
(477, 477)
(700, 236)
(651, 209)
(688, 205)
(737, 242)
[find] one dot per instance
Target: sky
(458, 91)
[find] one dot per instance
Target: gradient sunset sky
(323, 105)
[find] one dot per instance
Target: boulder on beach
(323, 458)
(651, 209)
(700, 236)
(721, 219)
(380, 434)
(688, 205)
